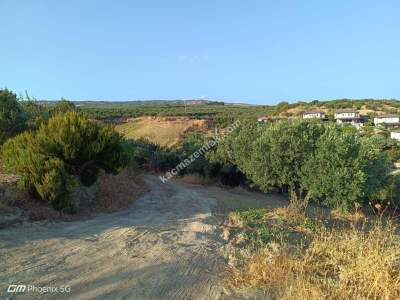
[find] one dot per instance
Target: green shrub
(36, 114)
(68, 146)
(150, 156)
(63, 106)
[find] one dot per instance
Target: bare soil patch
(167, 245)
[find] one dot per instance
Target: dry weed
(117, 192)
(338, 263)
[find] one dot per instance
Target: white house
(314, 115)
(348, 115)
(386, 119)
(395, 135)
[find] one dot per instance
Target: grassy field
(296, 256)
(162, 131)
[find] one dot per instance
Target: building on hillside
(346, 115)
(395, 135)
(387, 119)
(316, 114)
(349, 116)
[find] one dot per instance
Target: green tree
(279, 154)
(345, 169)
(12, 118)
(237, 147)
(272, 155)
(68, 146)
(310, 160)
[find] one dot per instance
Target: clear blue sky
(249, 51)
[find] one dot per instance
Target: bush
(63, 106)
(36, 114)
(69, 146)
(394, 154)
(150, 156)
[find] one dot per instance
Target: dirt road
(166, 246)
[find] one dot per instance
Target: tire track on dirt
(164, 247)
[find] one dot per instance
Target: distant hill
(364, 106)
(224, 112)
(139, 102)
(334, 103)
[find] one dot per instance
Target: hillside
(160, 130)
(138, 102)
(364, 106)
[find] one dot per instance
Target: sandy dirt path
(164, 247)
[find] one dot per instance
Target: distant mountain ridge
(144, 102)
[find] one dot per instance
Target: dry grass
(117, 192)
(112, 193)
(24, 207)
(162, 131)
(345, 263)
(354, 217)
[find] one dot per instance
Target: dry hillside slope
(163, 131)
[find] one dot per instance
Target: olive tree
(310, 160)
(278, 156)
(345, 169)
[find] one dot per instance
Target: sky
(259, 52)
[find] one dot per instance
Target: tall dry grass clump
(337, 264)
(355, 264)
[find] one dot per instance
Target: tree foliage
(345, 169)
(310, 160)
(282, 107)
(68, 146)
(12, 118)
